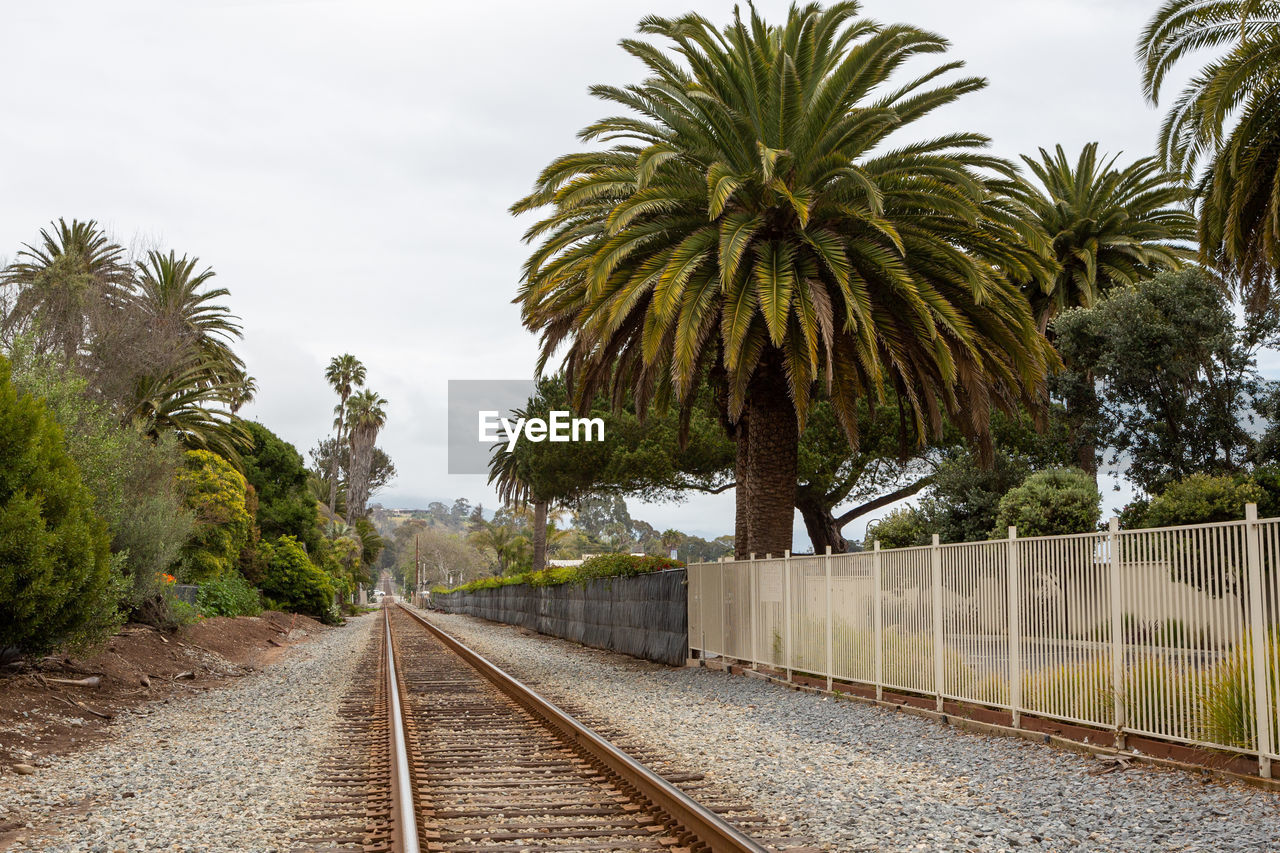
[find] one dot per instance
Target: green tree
(345, 373)
(1177, 375)
(214, 492)
(1049, 503)
(275, 470)
(1202, 499)
(367, 414)
(502, 540)
(1224, 126)
(55, 567)
(763, 219)
(903, 527)
(293, 582)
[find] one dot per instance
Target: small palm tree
(502, 539)
(367, 414)
(345, 373)
(60, 282)
(1103, 226)
(1226, 125)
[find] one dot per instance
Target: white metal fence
(1171, 633)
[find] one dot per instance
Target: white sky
(346, 166)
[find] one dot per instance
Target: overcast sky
(346, 166)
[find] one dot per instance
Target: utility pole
(417, 569)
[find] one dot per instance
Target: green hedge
(601, 566)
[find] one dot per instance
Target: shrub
(229, 595)
(1200, 499)
(55, 560)
(901, 528)
(293, 582)
(1228, 715)
(1051, 502)
(275, 469)
(215, 493)
(600, 566)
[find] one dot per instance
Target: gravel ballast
(225, 770)
(853, 777)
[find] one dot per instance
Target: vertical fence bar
(1258, 640)
(830, 630)
(935, 566)
(1015, 630)
(1117, 634)
(878, 622)
(702, 612)
(753, 599)
(786, 607)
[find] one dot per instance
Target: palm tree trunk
(337, 454)
(362, 441)
(539, 535)
(772, 450)
(741, 528)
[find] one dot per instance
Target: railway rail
(446, 752)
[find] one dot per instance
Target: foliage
(1050, 502)
(293, 582)
(1224, 124)
(229, 595)
(600, 566)
(275, 470)
(1176, 374)
(1229, 716)
(214, 492)
(1104, 226)
(900, 528)
(1201, 499)
(756, 219)
(56, 577)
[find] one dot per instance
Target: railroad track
(443, 751)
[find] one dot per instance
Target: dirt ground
(42, 714)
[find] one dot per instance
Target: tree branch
(883, 500)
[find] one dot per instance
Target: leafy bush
(1050, 502)
(55, 560)
(1200, 499)
(229, 595)
(215, 493)
(600, 566)
(293, 582)
(275, 470)
(901, 528)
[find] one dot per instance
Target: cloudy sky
(346, 166)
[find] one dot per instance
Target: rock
(23, 769)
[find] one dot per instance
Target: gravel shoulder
(221, 770)
(860, 778)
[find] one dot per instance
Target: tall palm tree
(178, 305)
(367, 414)
(345, 373)
(61, 281)
(1104, 226)
(756, 219)
(1225, 125)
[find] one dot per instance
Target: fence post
(786, 585)
(1015, 631)
(878, 623)
(1117, 631)
(1258, 640)
(724, 618)
(702, 611)
(753, 585)
(830, 653)
(935, 560)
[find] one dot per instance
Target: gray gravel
(225, 770)
(855, 777)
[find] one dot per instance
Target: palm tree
(1225, 124)
(62, 281)
(243, 391)
(170, 294)
(345, 373)
(756, 220)
(1104, 226)
(367, 414)
(501, 539)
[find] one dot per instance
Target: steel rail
(707, 827)
(406, 823)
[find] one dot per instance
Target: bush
(55, 559)
(275, 469)
(600, 566)
(901, 528)
(1051, 502)
(1200, 499)
(1229, 716)
(293, 582)
(230, 595)
(215, 493)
